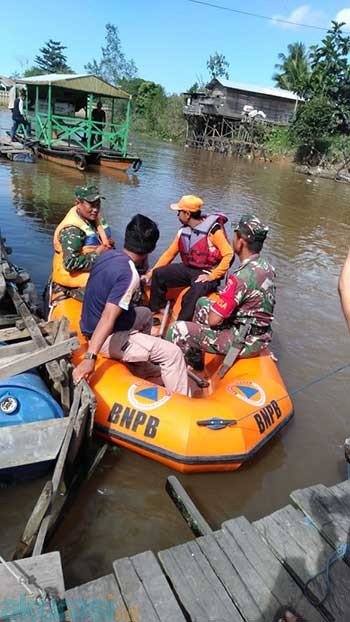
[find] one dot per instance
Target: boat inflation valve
(8, 405)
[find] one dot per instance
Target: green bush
(279, 141)
(312, 128)
(339, 149)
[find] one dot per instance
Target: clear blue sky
(169, 40)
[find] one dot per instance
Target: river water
(124, 508)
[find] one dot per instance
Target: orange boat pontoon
(217, 430)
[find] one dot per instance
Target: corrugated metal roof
(7, 81)
(251, 88)
(88, 83)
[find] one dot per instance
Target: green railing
(83, 133)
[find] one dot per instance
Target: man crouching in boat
(248, 298)
(114, 326)
(79, 239)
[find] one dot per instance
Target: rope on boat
(296, 391)
(319, 379)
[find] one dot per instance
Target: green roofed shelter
(69, 127)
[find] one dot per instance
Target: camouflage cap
(88, 193)
(251, 228)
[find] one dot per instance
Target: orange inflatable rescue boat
(217, 430)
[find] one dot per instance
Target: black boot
(195, 358)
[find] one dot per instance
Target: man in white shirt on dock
(18, 116)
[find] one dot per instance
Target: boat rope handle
(299, 390)
(320, 379)
(23, 581)
(339, 553)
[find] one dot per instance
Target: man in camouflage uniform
(249, 297)
(72, 240)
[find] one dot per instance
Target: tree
(113, 66)
(150, 103)
(330, 74)
(293, 69)
(217, 66)
(325, 115)
(312, 127)
(51, 58)
(194, 88)
(34, 71)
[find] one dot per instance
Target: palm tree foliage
(293, 70)
(325, 114)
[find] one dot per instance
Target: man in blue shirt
(114, 326)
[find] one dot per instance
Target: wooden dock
(15, 151)
(244, 572)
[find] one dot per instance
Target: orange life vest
(93, 238)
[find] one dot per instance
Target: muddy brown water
(124, 508)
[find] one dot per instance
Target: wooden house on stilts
(220, 117)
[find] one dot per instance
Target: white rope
(22, 580)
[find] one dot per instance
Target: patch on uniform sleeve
(226, 303)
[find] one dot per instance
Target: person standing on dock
(18, 116)
(247, 302)
(117, 328)
(205, 253)
(79, 239)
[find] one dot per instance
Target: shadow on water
(308, 240)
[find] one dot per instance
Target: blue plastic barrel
(25, 398)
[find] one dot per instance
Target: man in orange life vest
(205, 253)
(80, 237)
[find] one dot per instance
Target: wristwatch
(90, 355)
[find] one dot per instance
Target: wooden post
(49, 117)
(347, 455)
(36, 112)
(189, 511)
(89, 121)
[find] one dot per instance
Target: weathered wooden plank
(301, 548)
(28, 361)
(189, 511)
(65, 392)
(39, 572)
(59, 467)
(328, 510)
(343, 490)
(135, 596)
(15, 349)
(198, 588)
(2, 285)
(42, 533)
(12, 333)
(26, 315)
(35, 333)
(260, 570)
(34, 522)
(238, 576)
(97, 600)
(8, 319)
(157, 587)
(31, 442)
(63, 330)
